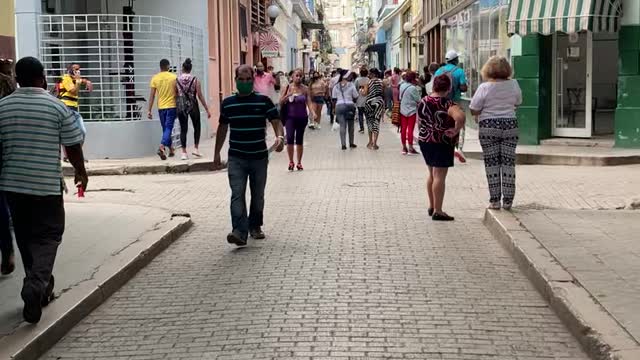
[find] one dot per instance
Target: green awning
(568, 16)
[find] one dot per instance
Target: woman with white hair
(346, 94)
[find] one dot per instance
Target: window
(335, 37)
(477, 33)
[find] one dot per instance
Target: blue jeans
(167, 119)
(255, 171)
(79, 121)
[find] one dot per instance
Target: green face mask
(244, 88)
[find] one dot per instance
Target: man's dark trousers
(38, 224)
(255, 172)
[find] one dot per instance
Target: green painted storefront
(534, 65)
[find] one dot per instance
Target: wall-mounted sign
(270, 54)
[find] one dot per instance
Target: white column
(27, 32)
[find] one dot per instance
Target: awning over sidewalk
(376, 47)
(568, 16)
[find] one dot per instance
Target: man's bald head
(244, 71)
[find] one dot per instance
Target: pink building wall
(225, 49)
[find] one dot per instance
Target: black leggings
(184, 126)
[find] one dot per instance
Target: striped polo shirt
(33, 126)
(247, 119)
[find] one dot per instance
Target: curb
(144, 169)
(93, 295)
(601, 336)
(566, 160)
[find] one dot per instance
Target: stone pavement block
(350, 254)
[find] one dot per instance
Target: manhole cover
(369, 184)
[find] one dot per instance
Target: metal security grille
(119, 54)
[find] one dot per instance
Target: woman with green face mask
(298, 105)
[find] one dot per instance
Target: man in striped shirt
(33, 127)
(246, 113)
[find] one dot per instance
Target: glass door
(572, 87)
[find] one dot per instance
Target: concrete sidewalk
(558, 154)
(587, 264)
(151, 164)
(103, 246)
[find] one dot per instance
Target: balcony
(387, 7)
(301, 7)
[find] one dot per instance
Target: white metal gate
(119, 54)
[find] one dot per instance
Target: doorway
(573, 103)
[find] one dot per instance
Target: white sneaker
(184, 157)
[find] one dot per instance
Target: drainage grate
(369, 184)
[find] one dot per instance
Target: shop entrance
(585, 87)
(573, 102)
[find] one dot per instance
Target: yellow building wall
(7, 29)
(7, 18)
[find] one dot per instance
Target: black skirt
(437, 155)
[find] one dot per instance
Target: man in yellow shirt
(164, 84)
(69, 92)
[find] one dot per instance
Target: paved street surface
(352, 267)
(94, 234)
(601, 250)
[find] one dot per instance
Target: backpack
(454, 83)
(57, 88)
(185, 102)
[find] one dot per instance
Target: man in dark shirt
(246, 113)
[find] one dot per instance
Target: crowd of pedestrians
(31, 183)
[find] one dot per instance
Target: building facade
(568, 91)
(119, 44)
(340, 22)
(579, 68)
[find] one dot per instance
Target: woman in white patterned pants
(494, 105)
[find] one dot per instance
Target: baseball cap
(451, 54)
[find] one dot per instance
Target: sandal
(162, 155)
(291, 166)
(299, 167)
(442, 217)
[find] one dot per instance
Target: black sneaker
(430, 211)
(344, 147)
(257, 234)
(353, 146)
(361, 131)
(236, 239)
(48, 294)
(32, 311)
(442, 217)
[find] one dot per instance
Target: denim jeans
(361, 117)
(167, 119)
(79, 121)
(345, 115)
(255, 171)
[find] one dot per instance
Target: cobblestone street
(352, 267)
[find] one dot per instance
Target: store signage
(270, 54)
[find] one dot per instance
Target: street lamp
(273, 11)
(408, 28)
